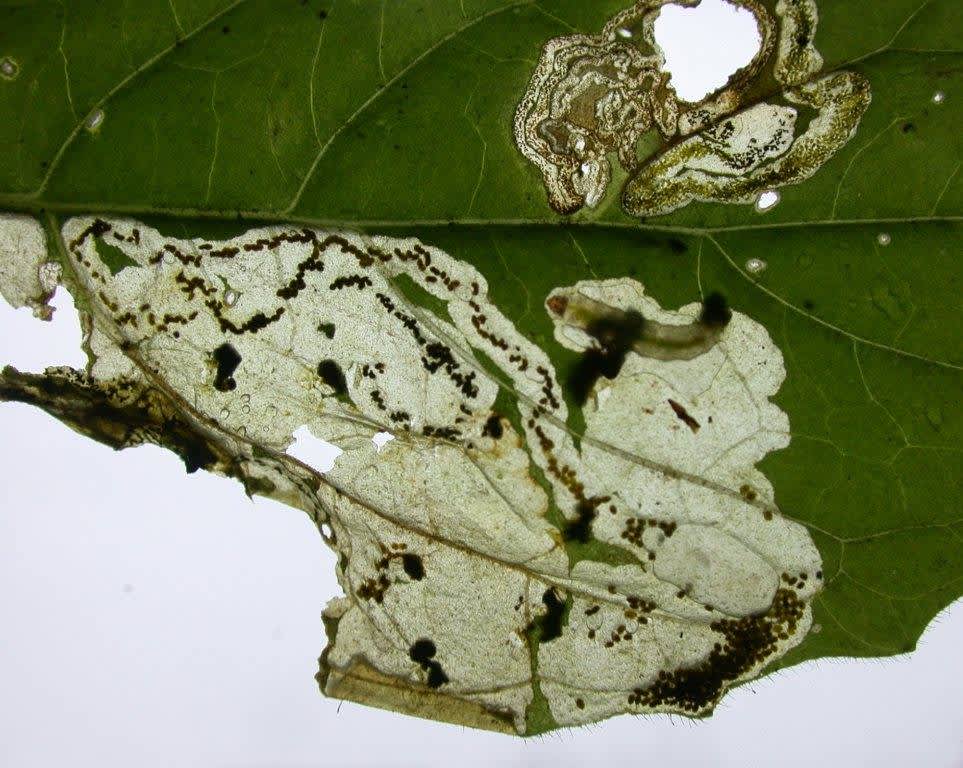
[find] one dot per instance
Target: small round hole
(755, 266)
(884, 238)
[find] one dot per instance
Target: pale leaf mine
(462, 601)
(595, 97)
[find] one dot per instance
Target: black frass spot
(493, 427)
(197, 455)
(615, 333)
(715, 311)
(423, 652)
(580, 529)
(330, 373)
(549, 626)
(413, 566)
(227, 360)
(327, 329)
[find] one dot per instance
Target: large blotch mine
(485, 554)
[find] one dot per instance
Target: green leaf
(275, 215)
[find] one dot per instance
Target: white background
(151, 618)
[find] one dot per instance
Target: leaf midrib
(707, 233)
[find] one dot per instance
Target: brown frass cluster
(746, 643)
(634, 527)
(374, 588)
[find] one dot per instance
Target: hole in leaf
(767, 200)
(704, 46)
(316, 453)
(381, 439)
(32, 346)
(755, 266)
